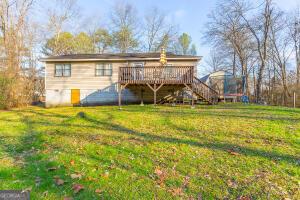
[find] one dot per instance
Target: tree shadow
(271, 155)
(35, 168)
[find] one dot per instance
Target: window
(138, 64)
(104, 69)
(63, 70)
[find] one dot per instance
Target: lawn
(227, 151)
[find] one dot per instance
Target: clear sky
(190, 15)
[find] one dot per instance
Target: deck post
(192, 90)
(154, 91)
(120, 93)
(142, 97)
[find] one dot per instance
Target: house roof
(118, 57)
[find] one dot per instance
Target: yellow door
(75, 96)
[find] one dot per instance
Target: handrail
(217, 93)
(157, 75)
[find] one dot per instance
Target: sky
(190, 15)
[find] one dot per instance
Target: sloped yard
(211, 152)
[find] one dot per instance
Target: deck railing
(156, 75)
(205, 91)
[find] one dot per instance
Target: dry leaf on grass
(232, 152)
(98, 191)
(58, 181)
(244, 198)
(232, 184)
(186, 182)
(68, 198)
(72, 162)
(75, 176)
(177, 191)
(161, 175)
(77, 188)
(52, 169)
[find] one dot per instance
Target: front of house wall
(98, 90)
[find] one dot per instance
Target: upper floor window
(63, 70)
(139, 64)
(103, 69)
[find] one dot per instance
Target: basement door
(75, 96)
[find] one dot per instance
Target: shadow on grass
(214, 146)
(31, 145)
(34, 168)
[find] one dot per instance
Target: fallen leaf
(161, 175)
(27, 189)
(45, 193)
(186, 182)
(52, 168)
(177, 191)
(74, 176)
(77, 188)
(58, 181)
(244, 198)
(91, 179)
(68, 198)
(158, 171)
(72, 162)
(232, 184)
(105, 175)
(232, 152)
(98, 191)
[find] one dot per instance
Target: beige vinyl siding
(95, 90)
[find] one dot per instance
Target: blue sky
(190, 15)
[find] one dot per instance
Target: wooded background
(260, 42)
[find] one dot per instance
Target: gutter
(113, 59)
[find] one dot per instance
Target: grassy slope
(224, 151)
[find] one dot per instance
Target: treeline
(31, 29)
(125, 30)
(260, 42)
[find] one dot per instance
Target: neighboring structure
(95, 79)
(226, 84)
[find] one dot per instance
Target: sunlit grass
(224, 151)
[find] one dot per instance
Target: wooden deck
(157, 76)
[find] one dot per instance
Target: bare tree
(59, 16)
(13, 29)
(157, 30)
(125, 27)
(280, 49)
(226, 29)
(295, 35)
(259, 27)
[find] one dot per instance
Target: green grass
(211, 152)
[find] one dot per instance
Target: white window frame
(103, 68)
(63, 70)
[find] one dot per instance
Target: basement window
(103, 69)
(63, 70)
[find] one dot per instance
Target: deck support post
(120, 97)
(192, 93)
(155, 89)
(193, 106)
(120, 88)
(142, 97)
(154, 94)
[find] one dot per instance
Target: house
(125, 78)
(226, 84)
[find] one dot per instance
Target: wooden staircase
(204, 92)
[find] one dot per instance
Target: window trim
(63, 69)
(104, 70)
(138, 63)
